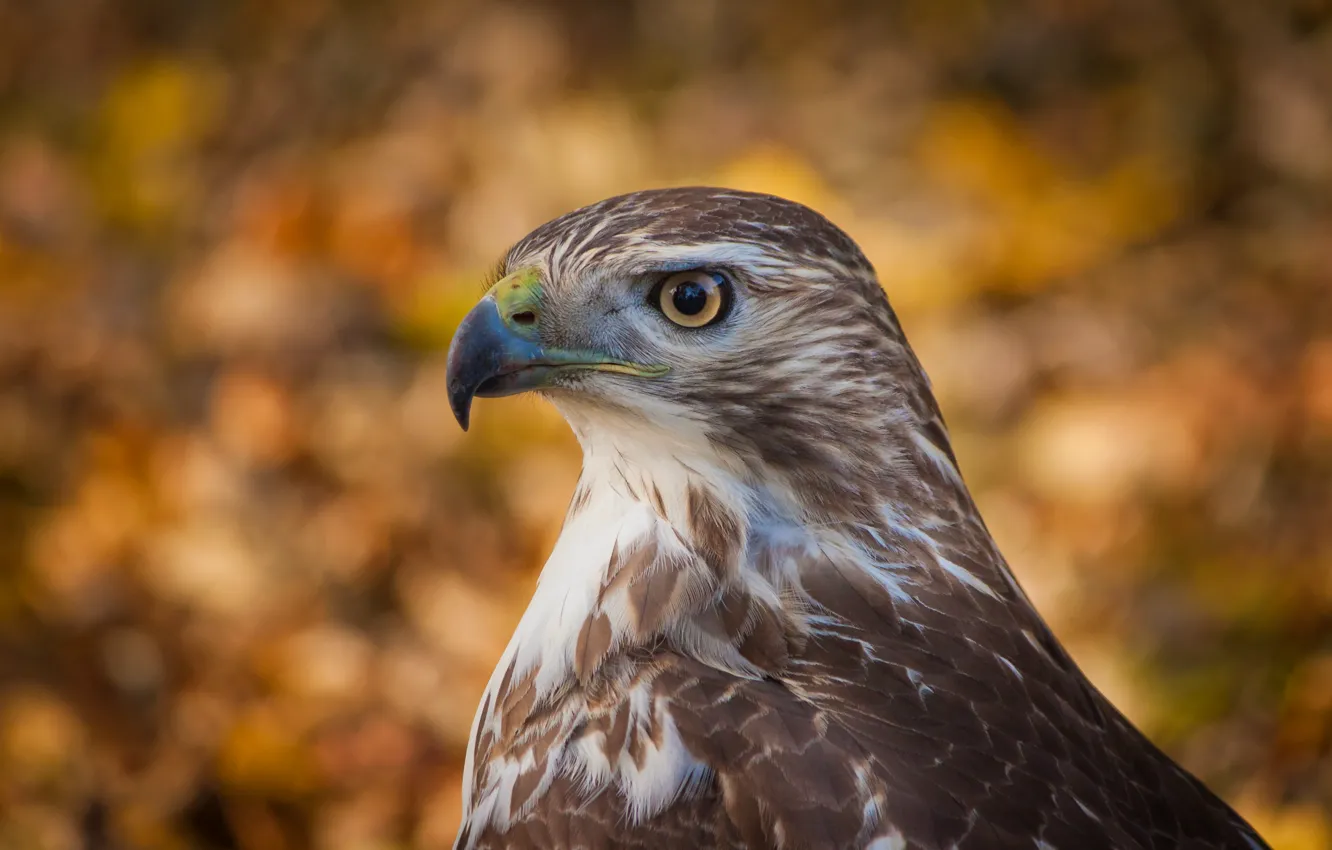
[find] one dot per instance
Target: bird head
(719, 327)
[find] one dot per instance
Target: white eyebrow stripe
(651, 256)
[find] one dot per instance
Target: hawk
(774, 616)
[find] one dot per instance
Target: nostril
(527, 317)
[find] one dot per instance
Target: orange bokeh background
(252, 576)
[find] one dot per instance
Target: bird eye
(693, 299)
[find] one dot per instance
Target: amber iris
(693, 299)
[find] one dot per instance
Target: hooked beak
(497, 350)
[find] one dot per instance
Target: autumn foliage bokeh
(252, 576)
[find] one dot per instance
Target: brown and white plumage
(774, 617)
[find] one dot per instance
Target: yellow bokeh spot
(1039, 219)
(777, 171)
(150, 119)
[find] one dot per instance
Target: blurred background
(252, 576)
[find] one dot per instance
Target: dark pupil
(689, 299)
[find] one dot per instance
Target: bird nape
(774, 617)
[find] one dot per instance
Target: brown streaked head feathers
(786, 385)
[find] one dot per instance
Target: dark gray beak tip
(460, 402)
(467, 363)
(483, 349)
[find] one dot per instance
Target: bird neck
(702, 555)
(644, 544)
